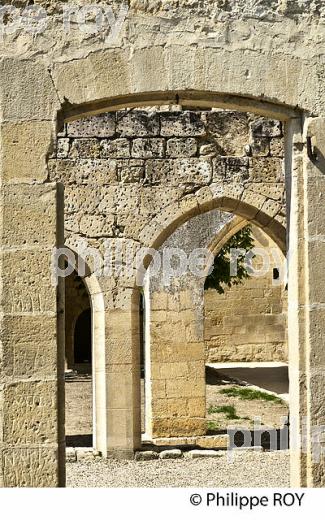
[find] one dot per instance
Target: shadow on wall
(273, 379)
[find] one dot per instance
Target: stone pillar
(177, 364)
(314, 229)
(306, 314)
(123, 374)
(32, 309)
(296, 298)
(32, 352)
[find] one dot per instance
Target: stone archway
(78, 84)
(175, 343)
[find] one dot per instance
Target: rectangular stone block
(27, 285)
(85, 148)
(277, 147)
(261, 146)
(97, 172)
(181, 124)
(263, 127)
(115, 148)
(178, 427)
(193, 171)
(30, 413)
(93, 126)
(29, 346)
(185, 388)
(229, 130)
(41, 470)
(182, 147)
(24, 208)
(179, 352)
(25, 146)
(84, 198)
(266, 169)
(137, 123)
(130, 171)
(159, 171)
(230, 169)
(147, 148)
(62, 148)
(170, 407)
(96, 226)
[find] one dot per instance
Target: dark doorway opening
(82, 338)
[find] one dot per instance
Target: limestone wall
(264, 56)
(118, 168)
(188, 327)
(248, 322)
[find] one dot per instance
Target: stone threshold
(220, 441)
(89, 454)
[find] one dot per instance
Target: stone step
(79, 454)
(208, 441)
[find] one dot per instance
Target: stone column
(296, 298)
(306, 314)
(32, 353)
(32, 451)
(175, 352)
(123, 373)
(314, 230)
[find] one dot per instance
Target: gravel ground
(268, 469)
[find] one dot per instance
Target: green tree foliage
(220, 276)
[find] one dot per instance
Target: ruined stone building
(196, 120)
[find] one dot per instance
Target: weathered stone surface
(40, 471)
(25, 146)
(96, 225)
(182, 147)
(34, 402)
(115, 148)
(83, 171)
(170, 454)
(202, 454)
(229, 129)
(70, 455)
(62, 148)
(24, 207)
(230, 169)
(193, 171)
(277, 147)
(146, 455)
(275, 70)
(159, 171)
(137, 124)
(266, 128)
(148, 148)
(268, 169)
(28, 81)
(213, 441)
(85, 148)
(181, 124)
(261, 147)
(29, 346)
(94, 126)
(130, 171)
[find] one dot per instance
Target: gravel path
(268, 469)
